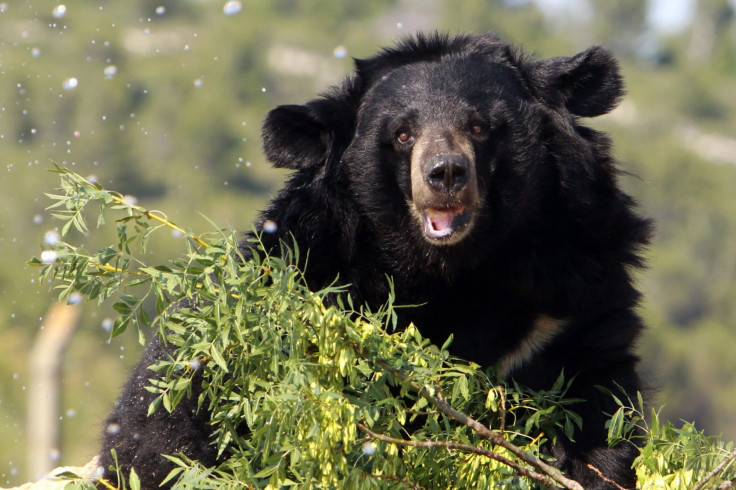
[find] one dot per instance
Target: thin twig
(485, 432)
(502, 394)
(105, 483)
(715, 471)
(462, 447)
(110, 268)
(398, 480)
(150, 215)
(143, 211)
(605, 478)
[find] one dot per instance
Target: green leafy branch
(681, 458)
(548, 475)
(79, 192)
(304, 390)
(309, 369)
(105, 273)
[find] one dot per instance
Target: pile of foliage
(306, 389)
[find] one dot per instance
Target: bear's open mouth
(441, 224)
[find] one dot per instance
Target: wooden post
(43, 388)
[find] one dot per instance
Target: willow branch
(465, 448)
(397, 480)
(142, 211)
(443, 406)
(151, 215)
(715, 471)
(605, 478)
(110, 268)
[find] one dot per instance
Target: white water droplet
(35, 52)
(49, 256)
(110, 71)
(54, 454)
(270, 226)
(340, 52)
(130, 200)
(160, 10)
(74, 298)
(107, 324)
(51, 238)
(59, 11)
(3, 7)
(70, 83)
(37, 219)
(369, 448)
(232, 7)
(113, 428)
(198, 82)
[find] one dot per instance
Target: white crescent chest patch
(544, 330)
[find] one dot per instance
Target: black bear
(459, 167)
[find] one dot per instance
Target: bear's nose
(446, 173)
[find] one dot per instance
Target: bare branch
(484, 432)
(605, 478)
(462, 447)
(715, 471)
(398, 480)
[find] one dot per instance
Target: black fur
(553, 237)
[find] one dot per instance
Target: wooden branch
(606, 479)
(484, 432)
(465, 448)
(715, 471)
(398, 480)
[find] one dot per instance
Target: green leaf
(217, 357)
(133, 481)
(267, 471)
(175, 472)
(122, 308)
(154, 405)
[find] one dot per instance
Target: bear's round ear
(588, 84)
(293, 137)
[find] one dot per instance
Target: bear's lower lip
(441, 224)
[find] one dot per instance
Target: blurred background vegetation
(163, 100)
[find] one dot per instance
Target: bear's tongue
(439, 222)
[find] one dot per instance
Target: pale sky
(670, 15)
(664, 15)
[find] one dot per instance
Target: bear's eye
(476, 128)
(404, 138)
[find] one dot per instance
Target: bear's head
(451, 144)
